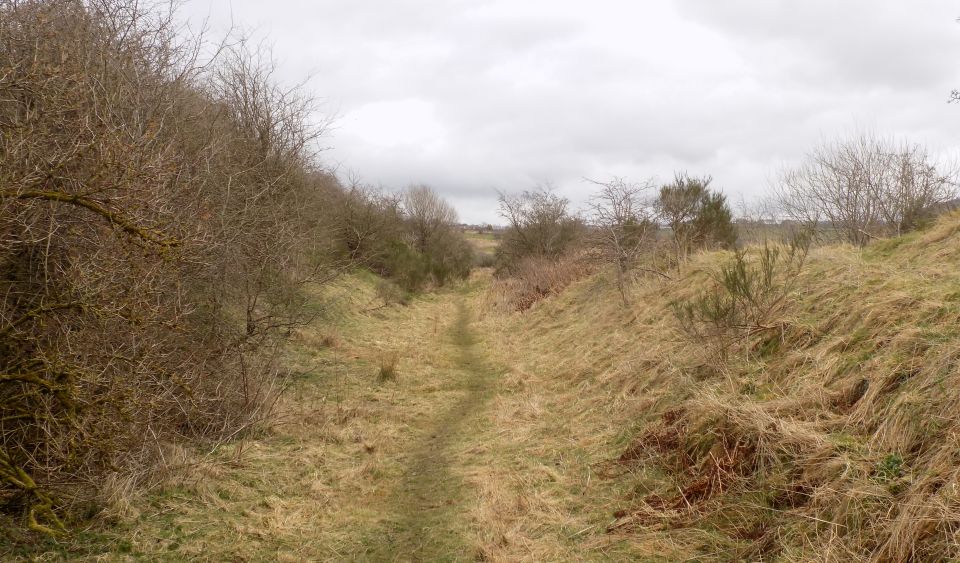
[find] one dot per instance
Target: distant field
(485, 244)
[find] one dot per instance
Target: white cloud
(473, 95)
(395, 124)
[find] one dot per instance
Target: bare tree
(866, 188)
(427, 213)
(624, 227)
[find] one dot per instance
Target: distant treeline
(851, 191)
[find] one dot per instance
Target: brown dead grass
(535, 278)
(566, 402)
(319, 483)
(834, 439)
(338, 477)
(608, 436)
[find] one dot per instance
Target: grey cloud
(856, 43)
(516, 93)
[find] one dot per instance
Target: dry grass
(482, 242)
(484, 247)
(388, 367)
(562, 413)
(535, 278)
(316, 485)
(478, 466)
(608, 436)
(833, 438)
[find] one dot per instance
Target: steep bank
(834, 436)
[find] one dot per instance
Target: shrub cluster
(696, 216)
(867, 187)
(539, 226)
(624, 228)
(411, 238)
(534, 279)
(159, 219)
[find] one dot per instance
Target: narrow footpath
(429, 497)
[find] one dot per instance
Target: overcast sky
(472, 96)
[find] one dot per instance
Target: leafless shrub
(624, 229)
(363, 218)
(390, 293)
(534, 279)
(866, 188)
(158, 220)
(539, 224)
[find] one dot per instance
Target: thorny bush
(158, 220)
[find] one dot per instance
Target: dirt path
(429, 498)
(457, 459)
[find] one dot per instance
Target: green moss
(887, 247)
(888, 468)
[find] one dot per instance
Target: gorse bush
(451, 258)
(746, 295)
(697, 216)
(403, 264)
(446, 260)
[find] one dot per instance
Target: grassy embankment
(586, 430)
(834, 436)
